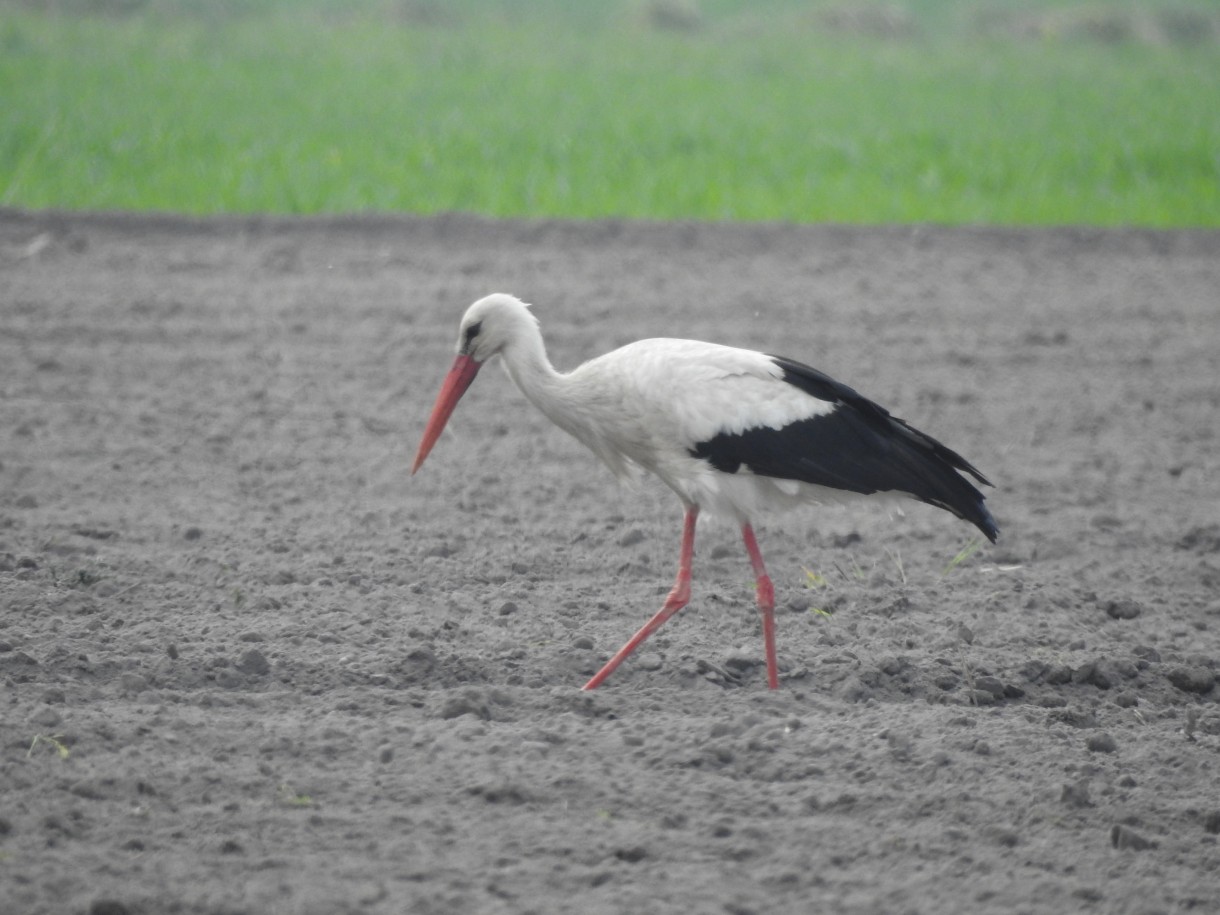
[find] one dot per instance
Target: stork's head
(489, 325)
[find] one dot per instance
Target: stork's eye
(468, 337)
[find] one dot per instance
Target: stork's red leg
(766, 603)
(679, 597)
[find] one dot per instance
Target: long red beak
(456, 382)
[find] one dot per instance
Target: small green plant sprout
(856, 573)
(896, 558)
(962, 555)
(813, 579)
(54, 740)
(289, 797)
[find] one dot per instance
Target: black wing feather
(858, 447)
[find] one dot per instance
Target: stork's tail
(935, 474)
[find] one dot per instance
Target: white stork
(731, 431)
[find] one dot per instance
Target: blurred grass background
(950, 111)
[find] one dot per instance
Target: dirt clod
(1125, 838)
(1192, 679)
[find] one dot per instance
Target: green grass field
(936, 111)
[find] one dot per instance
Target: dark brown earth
(250, 665)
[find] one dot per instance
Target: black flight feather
(858, 447)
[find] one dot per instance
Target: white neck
(567, 399)
(526, 363)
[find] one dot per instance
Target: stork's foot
(679, 597)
